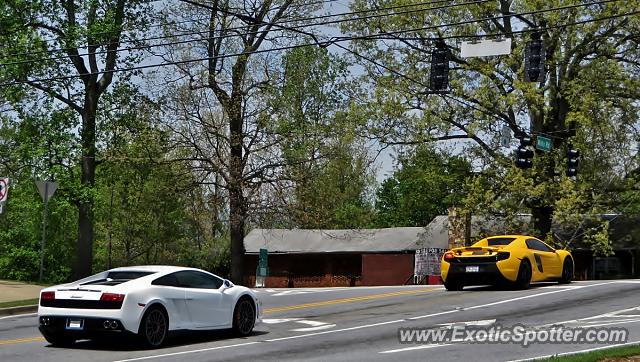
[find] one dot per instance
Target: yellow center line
(21, 340)
(346, 300)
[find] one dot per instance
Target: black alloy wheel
(154, 328)
(244, 317)
(453, 286)
(567, 271)
(524, 274)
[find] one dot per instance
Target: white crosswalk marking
(314, 325)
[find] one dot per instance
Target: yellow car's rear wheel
(453, 285)
(524, 275)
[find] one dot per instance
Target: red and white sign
(4, 188)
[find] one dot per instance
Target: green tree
(148, 206)
(326, 165)
(37, 147)
(68, 52)
(425, 185)
(587, 101)
(240, 157)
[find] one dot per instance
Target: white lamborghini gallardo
(147, 302)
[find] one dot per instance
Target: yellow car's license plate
(472, 269)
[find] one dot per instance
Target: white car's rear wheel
(244, 317)
(154, 327)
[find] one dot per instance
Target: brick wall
(386, 269)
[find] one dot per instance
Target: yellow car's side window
(536, 244)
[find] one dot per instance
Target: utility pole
(110, 227)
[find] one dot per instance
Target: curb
(18, 310)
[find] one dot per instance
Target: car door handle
(189, 298)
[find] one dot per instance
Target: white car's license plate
(74, 323)
(472, 269)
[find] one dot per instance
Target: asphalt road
(357, 324)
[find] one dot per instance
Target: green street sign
(543, 143)
(263, 266)
(262, 260)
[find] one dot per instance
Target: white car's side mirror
(226, 284)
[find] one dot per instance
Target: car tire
(567, 271)
(524, 275)
(59, 340)
(453, 286)
(244, 317)
(154, 327)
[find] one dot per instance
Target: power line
(323, 43)
(284, 21)
(369, 37)
(319, 43)
(159, 25)
(277, 23)
(524, 31)
(142, 47)
(533, 12)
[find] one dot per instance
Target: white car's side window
(194, 279)
(168, 280)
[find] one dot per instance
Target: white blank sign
(485, 48)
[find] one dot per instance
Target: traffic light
(573, 158)
(439, 76)
(534, 56)
(524, 158)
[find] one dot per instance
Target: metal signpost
(46, 190)
(263, 268)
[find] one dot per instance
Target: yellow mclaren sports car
(515, 260)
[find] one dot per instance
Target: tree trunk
(84, 256)
(237, 239)
(237, 206)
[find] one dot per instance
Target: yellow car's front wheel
(567, 271)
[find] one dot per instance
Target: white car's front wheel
(244, 317)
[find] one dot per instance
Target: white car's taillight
(111, 297)
(47, 295)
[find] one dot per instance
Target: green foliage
(138, 181)
(328, 164)
(156, 217)
(589, 101)
(621, 353)
(38, 147)
(426, 184)
(162, 183)
(21, 233)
